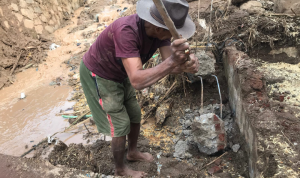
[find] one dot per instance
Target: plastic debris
(22, 95)
(50, 139)
(53, 46)
(78, 44)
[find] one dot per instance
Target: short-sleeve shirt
(124, 38)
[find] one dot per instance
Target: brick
(216, 119)
(218, 127)
(222, 137)
(221, 147)
(214, 170)
(28, 23)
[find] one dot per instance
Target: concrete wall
(41, 16)
(236, 81)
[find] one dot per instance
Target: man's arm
(140, 78)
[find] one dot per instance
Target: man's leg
(133, 153)
(118, 149)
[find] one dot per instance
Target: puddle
(30, 120)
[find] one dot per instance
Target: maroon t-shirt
(124, 38)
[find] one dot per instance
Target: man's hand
(191, 66)
(178, 48)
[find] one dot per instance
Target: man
(113, 68)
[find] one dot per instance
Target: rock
(284, 6)
(6, 24)
(238, 2)
(180, 149)
(188, 110)
(39, 29)
(207, 64)
(187, 123)
(253, 7)
(209, 133)
(162, 112)
(181, 121)
(235, 147)
(27, 13)
(189, 116)
(186, 132)
(14, 7)
(28, 23)
(19, 17)
(92, 121)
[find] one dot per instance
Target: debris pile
(209, 133)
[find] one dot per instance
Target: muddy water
(30, 120)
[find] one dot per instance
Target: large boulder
(209, 133)
(285, 6)
(253, 7)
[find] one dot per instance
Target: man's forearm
(145, 78)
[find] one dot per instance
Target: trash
(53, 46)
(236, 147)
(72, 117)
(97, 18)
(37, 69)
(50, 139)
(76, 76)
(202, 23)
(78, 44)
(31, 141)
(23, 95)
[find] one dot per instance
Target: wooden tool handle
(166, 18)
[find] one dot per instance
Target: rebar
(201, 111)
(219, 95)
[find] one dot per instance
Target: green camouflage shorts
(113, 105)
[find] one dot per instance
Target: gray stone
(206, 64)
(284, 6)
(253, 7)
(186, 132)
(187, 123)
(235, 147)
(209, 133)
(180, 149)
(189, 116)
(181, 121)
(188, 110)
(175, 140)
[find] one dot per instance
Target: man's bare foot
(139, 156)
(129, 172)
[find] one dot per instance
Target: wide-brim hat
(177, 10)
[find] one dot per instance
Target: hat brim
(143, 11)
